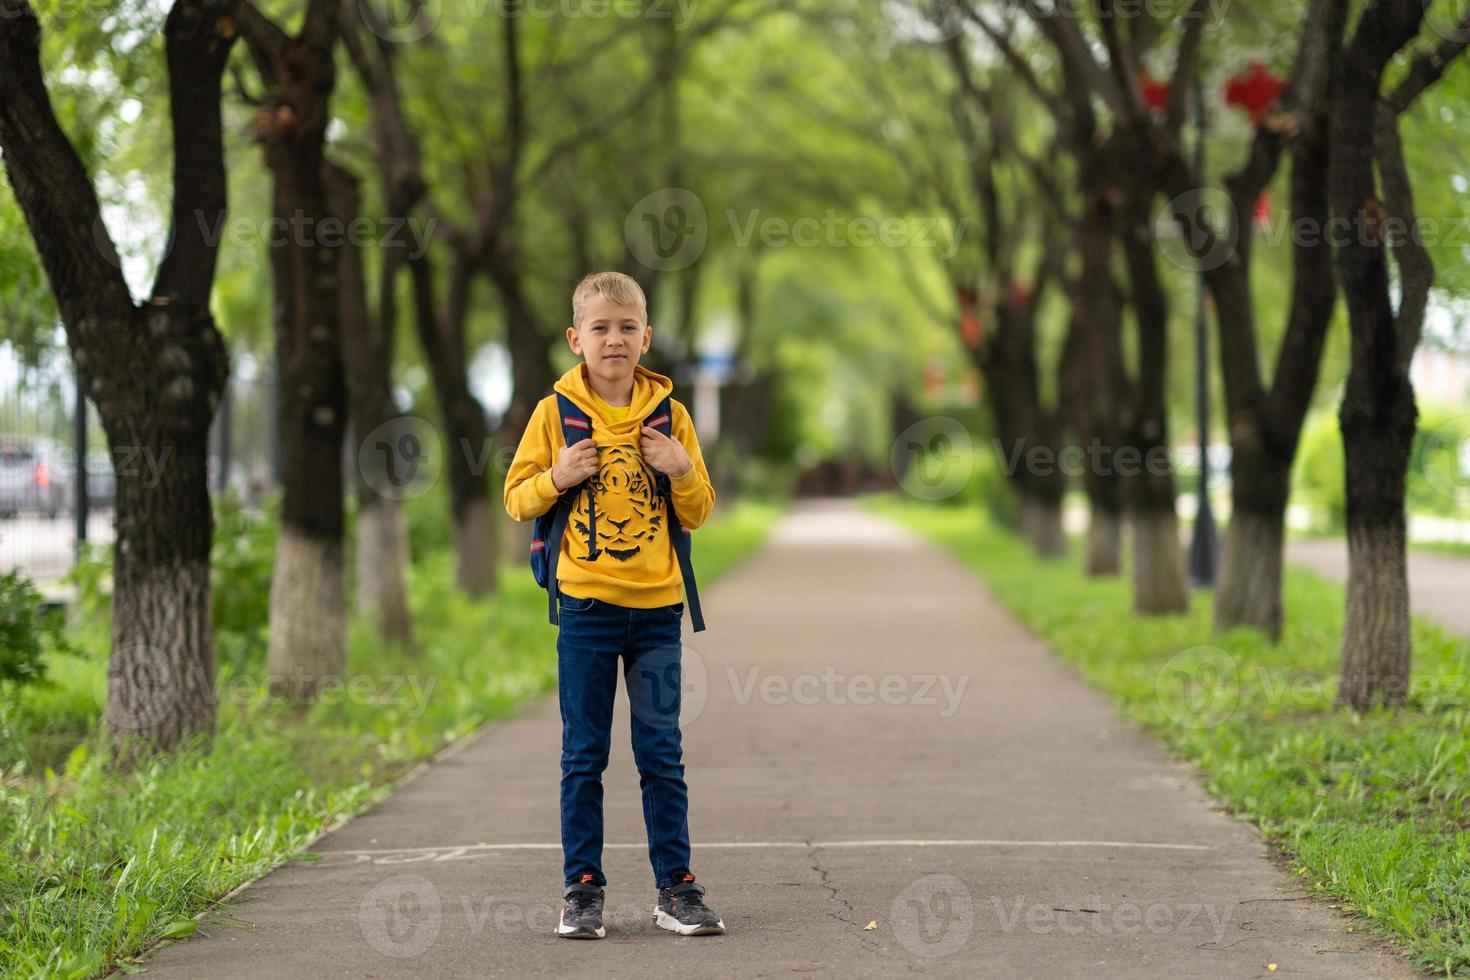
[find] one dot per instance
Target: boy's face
(610, 338)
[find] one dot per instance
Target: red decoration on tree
(1254, 90)
(1262, 215)
(1155, 93)
(969, 302)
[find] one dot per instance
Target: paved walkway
(1438, 584)
(869, 738)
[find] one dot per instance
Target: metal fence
(50, 505)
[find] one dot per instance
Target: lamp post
(1203, 545)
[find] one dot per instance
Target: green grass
(1460, 549)
(1372, 809)
(96, 868)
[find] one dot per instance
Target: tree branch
(1416, 268)
(263, 38)
(1429, 66)
(51, 185)
(198, 35)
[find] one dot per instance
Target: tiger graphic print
(629, 511)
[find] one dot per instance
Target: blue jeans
(594, 634)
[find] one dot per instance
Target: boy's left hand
(663, 453)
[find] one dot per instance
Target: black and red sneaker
(581, 915)
(681, 909)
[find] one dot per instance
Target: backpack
(546, 533)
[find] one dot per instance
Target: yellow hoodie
(635, 564)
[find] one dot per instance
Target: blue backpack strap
(575, 426)
(662, 419)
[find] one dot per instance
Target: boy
(619, 595)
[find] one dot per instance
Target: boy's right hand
(574, 464)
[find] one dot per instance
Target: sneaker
(581, 916)
(681, 909)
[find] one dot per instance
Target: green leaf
(75, 760)
(180, 929)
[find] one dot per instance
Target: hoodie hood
(649, 388)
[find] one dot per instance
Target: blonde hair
(621, 289)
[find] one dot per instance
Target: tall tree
(154, 370)
(367, 349)
(308, 611)
(441, 304)
(1107, 162)
(1264, 421)
(1378, 414)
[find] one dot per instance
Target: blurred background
(1176, 292)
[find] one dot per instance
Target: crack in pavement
(832, 890)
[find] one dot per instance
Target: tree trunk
(382, 543)
(1043, 527)
(1093, 381)
(1249, 590)
(382, 556)
(154, 372)
(160, 692)
(308, 635)
(1378, 414)
(1160, 583)
(1158, 563)
(1378, 432)
(1104, 540)
(469, 449)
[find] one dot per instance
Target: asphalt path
(888, 775)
